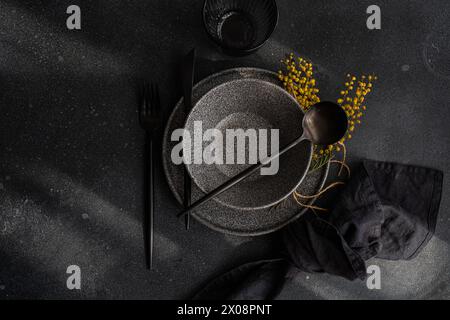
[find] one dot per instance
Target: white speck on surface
(307, 277)
(405, 67)
(85, 216)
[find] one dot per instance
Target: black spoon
(324, 124)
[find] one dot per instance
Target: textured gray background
(70, 145)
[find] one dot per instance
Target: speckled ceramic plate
(246, 104)
(214, 214)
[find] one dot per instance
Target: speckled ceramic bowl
(260, 109)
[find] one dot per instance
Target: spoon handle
(241, 176)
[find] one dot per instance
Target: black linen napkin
(386, 210)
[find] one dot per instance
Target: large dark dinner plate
(216, 215)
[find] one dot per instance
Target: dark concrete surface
(71, 147)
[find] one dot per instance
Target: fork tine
(153, 99)
(158, 100)
(148, 106)
(143, 102)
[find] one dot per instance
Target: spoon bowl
(325, 123)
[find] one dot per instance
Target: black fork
(150, 120)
